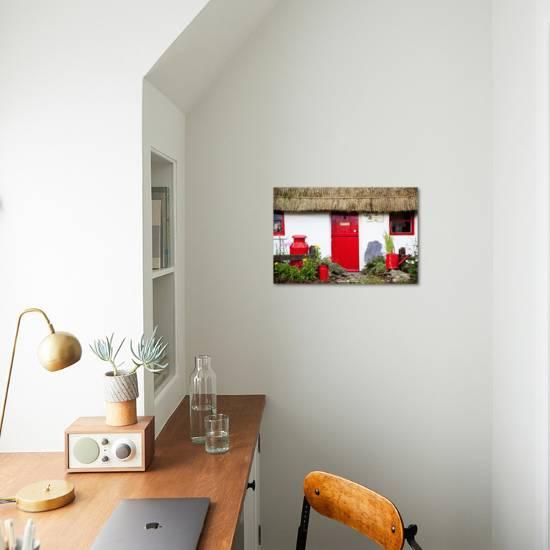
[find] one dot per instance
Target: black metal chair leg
(304, 523)
(410, 533)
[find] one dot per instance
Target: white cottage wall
(410, 242)
(316, 226)
(371, 228)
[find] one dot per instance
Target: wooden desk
(180, 469)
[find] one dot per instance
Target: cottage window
(402, 223)
(278, 224)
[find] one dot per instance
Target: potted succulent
(121, 386)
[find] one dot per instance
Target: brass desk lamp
(57, 351)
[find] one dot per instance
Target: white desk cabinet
(249, 533)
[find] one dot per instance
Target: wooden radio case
(93, 446)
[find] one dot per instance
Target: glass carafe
(202, 396)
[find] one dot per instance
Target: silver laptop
(167, 523)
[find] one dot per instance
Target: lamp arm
(6, 390)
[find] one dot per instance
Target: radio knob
(124, 450)
(105, 458)
(105, 441)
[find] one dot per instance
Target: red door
(345, 240)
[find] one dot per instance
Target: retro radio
(93, 446)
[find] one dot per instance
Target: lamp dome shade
(58, 351)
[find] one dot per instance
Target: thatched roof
(345, 199)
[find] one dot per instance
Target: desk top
(179, 469)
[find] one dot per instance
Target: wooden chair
(355, 506)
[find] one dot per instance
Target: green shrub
(410, 266)
(335, 269)
(371, 280)
(376, 266)
(309, 270)
(283, 272)
(286, 273)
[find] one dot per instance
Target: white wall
(521, 233)
(70, 191)
(164, 132)
(354, 93)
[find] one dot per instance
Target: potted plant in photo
(121, 385)
(392, 259)
(324, 269)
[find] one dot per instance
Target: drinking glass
(216, 429)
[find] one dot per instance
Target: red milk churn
(323, 272)
(299, 246)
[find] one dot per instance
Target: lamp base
(45, 495)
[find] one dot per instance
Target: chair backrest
(354, 505)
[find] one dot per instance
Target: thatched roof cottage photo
(345, 235)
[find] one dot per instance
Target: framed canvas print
(345, 235)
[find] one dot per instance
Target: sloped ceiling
(192, 62)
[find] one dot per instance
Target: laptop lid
(167, 523)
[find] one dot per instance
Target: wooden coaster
(45, 495)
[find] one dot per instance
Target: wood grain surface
(356, 506)
(180, 469)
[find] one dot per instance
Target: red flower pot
(323, 272)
